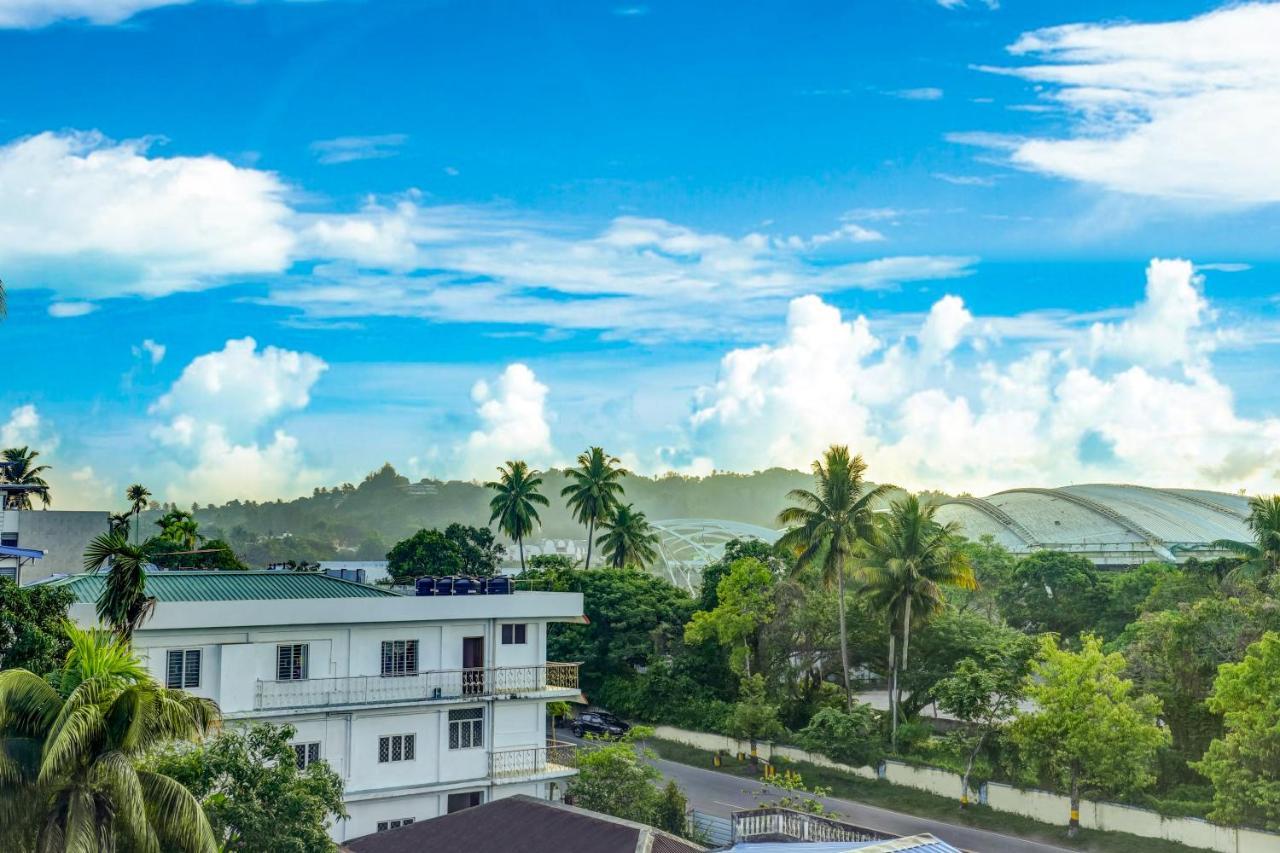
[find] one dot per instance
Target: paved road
(722, 794)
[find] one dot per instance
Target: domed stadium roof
(1110, 524)
(686, 545)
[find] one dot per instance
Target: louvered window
(183, 668)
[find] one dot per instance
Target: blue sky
(708, 235)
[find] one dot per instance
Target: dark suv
(599, 723)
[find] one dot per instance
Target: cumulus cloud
(513, 423)
(1152, 404)
(23, 428)
(221, 412)
(89, 217)
(29, 14)
(70, 488)
(1186, 109)
(348, 149)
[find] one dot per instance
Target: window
(514, 635)
(307, 754)
(464, 800)
(399, 657)
(384, 825)
(291, 662)
(466, 728)
(183, 668)
(395, 748)
(9, 539)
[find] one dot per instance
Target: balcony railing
(532, 761)
(432, 685)
(774, 824)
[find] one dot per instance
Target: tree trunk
(591, 532)
(844, 643)
(746, 647)
(1073, 826)
(968, 771)
(893, 682)
(137, 526)
(906, 639)
(520, 545)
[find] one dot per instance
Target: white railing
(554, 757)
(774, 823)
(432, 685)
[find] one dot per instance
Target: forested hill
(362, 521)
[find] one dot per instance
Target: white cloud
(1148, 410)
(89, 217)
(966, 180)
(221, 410)
(924, 93)
(348, 149)
(154, 351)
(71, 309)
(22, 429)
(29, 14)
(70, 488)
(961, 4)
(1180, 110)
(513, 423)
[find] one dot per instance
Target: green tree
(910, 561)
(993, 566)
(68, 747)
(671, 811)
(180, 527)
(31, 626)
(594, 490)
(18, 467)
(753, 717)
(1261, 557)
(212, 555)
(617, 779)
(850, 737)
(1089, 730)
(985, 695)
(1244, 764)
(628, 539)
(478, 550)
(746, 604)
(250, 787)
(827, 526)
(735, 550)
(123, 603)
(137, 495)
(515, 504)
(427, 553)
(1053, 592)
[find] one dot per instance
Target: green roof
(230, 586)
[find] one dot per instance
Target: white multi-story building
(423, 705)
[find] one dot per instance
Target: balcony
(446, 685)
(556, 758)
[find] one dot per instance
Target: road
(722, 794)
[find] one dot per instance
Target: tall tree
(19, 468)
(1089, 729)
(1261, 557)
(180, 526)
(515, 504)
(910, 561)
(123, 603)
(746, 603)
(594, 490)
(31, 626)
(628, 540)
(119, 522)
(137, 495)
(826, 527)
(68, 746)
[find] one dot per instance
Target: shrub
(848, 737)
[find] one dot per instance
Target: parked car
(599, 723)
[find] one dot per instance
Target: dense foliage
(31, 626)
(459, 550)
(618, 779)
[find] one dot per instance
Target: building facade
(423, 705)
(54, 541)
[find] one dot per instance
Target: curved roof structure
(685, 545)
(1110, 524)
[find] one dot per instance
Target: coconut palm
(514, 504)
(630, 540)
(594, 490)
(909, 562)
(68, 745)
(137, 495)
(180, 526)
(19, 468)
(1261, 557)
(123, 603)
(827, 525)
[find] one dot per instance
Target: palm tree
(19, 469)
(1261, 557)
(629, 540)
(119, 522)
(595, 489)
(68, 747)
(910, 561)
(123, 603)
(827, 526)
(180, 526)
(3, 305)
(513, 505)
(137, 495)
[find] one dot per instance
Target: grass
(877, 792)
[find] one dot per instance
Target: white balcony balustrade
(553, 759)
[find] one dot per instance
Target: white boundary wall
(1043, 806)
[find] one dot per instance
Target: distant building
(423, 705)
(35, 544)
(1111, 525)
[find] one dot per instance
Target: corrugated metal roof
(231, 586)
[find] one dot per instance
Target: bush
(848, 737)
